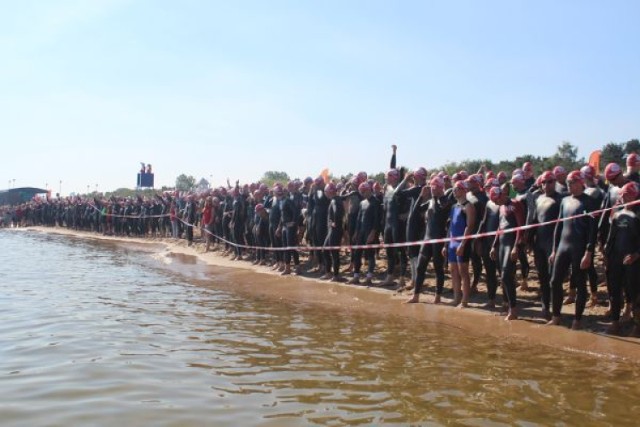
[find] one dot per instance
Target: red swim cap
(612, 171)
(588, 171)
(517, 178)
(461, 185)
(259, 207)
(493, 182)
(633, 160)
(559, 171)
(420, 173)
(330, 188)
(364, 186)
(575, 176)
(436, 181)
(546, 176)
(630, 189)
(495, 193)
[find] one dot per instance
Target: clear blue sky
(90, 88)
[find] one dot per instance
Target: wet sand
(262, 282)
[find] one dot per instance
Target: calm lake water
(92, 333)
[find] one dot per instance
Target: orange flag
(594, 160)
(325, 175)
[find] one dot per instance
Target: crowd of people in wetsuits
(483, 213)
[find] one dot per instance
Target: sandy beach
(479, 323)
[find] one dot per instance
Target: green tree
(185, 183)
(566, 156)
(611, 153)
(271, 177)
(632, 146)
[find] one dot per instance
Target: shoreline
(384, 302)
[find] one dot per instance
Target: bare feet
(576, 325)
(593, 301)
(437, 299)
(388, 281)
(490, 305)
(414, 299)
(555, 321)
(614, 328)
(571, 298)
(513, 314)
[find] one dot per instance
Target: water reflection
(94, 335)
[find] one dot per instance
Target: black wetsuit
(490, 223)
(547, 208)
(623, 240)
(571, 239)
(415, 227)
(289, 224)
(436, 215)
(524, 198)
(597, 194)
(511, 216)
(479, 201)
(354, 198)
(368, 220)
(275, 216)
(334, 221)
(261, 235)
(190, 218)
(238, 216)
(319, 227)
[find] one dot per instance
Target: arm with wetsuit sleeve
(611, 238)
(558, 230)
(592, 224)
(520, 220)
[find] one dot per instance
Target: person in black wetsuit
(353, 198)
(261, 233)
(395, 218)
(597, 194)
(237, 224)
(561, 180)
(613, 174)
(623, 258)
(367, 229)
(633, 168)
(505, 246)
(272, 204)
(436, 212)
(318, 221)
(573, 243)
(478, 198)
(546, 208)
(334, 220)
(289, 230)
(417, 196)
(518, 183)
(190, 217)
(483, 245)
